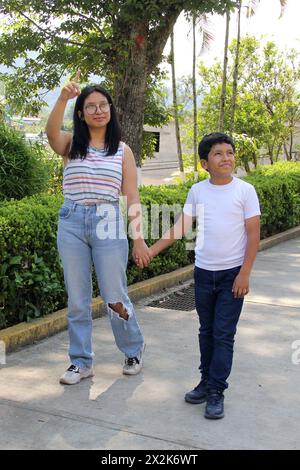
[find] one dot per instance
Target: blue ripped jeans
(94, 234)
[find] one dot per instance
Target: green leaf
(15, 260)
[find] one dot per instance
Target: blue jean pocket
(64, 212)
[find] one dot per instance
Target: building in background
(164, 165)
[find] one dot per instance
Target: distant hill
(52, 95)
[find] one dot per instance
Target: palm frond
(205, 25)
(283, 4)
(251, 7)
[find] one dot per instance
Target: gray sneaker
(133, 365)
(75, 374)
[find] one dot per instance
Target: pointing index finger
(77, 76)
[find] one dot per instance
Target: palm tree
(195, 127)
(207, 36)
(224, 78)
(175, 108)
(250, 12)
(251, 7)
(236, 69)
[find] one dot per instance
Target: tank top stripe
(96, 178)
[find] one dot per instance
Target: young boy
(227, 213)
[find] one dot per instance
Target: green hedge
(24, 170)
(31, 282)
(278, 189)
(31, 279)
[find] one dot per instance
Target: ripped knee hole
(120, 310)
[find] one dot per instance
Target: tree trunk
(129, 92)
(236, 70)
(254, 158)
(246, 166)
(175, 104)
(278, 151)
(291, 144)
(144, 55)
(130, 103)
(271, 154)
(285, 150)
(195, 102)
(224, 79)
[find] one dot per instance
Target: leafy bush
(22, 168)
(31, 281)
(278, 189)
(55, 165)
(31, 277)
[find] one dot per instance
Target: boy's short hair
(209, 140)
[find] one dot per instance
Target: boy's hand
(152, 252)
(141, 254)
(72, 88)
(240, 286)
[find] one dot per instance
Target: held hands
(141, 254)
(240, 286)
(72, 89)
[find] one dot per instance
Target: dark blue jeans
(218, 313)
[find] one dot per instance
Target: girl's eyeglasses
(92, 108)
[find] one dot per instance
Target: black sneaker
(215, 404)
(198, 394)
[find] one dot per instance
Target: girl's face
(96, 110)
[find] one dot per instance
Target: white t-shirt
(221, 211)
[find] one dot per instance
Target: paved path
(147, 411)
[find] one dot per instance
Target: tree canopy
(122, 40)
(268, 102)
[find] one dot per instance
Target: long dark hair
(81, 133)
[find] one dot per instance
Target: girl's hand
(141, 254)
(72, 89)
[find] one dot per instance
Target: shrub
(278, 189)
(22, 169)
(55, 165)
(31, 281)
(31, 278)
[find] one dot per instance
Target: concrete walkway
(112, 411)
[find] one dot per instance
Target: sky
(284, 31)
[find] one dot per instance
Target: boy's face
(220, 162)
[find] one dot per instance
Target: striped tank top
(96, 178)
